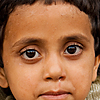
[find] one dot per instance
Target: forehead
(46, 15)
(42, 10)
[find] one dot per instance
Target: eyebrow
(27, 41)
(78, 37)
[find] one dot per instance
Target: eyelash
(73, 50)
(30, 54)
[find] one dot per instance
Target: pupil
(71, 49)
(30, 53)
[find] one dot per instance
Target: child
(49, 48)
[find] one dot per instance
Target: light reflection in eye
(73, 50)
(30, 54)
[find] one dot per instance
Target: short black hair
(90, 7)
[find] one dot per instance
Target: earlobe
(96, 65)
(3, 80)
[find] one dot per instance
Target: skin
(53, 73)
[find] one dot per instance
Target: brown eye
(73, 49)
(30, 54)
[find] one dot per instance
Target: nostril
(62, 78)
(59, 78)
(49, 78)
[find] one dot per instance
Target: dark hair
(90, 7)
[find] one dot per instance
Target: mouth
(55, 95)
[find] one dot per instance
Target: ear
(96, 65)
(3, 80)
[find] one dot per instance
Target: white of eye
(30, 54)
(73, 50)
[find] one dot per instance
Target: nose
(53, 69)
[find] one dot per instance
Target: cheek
(80, 73)
(23, 79)
(83, 68)
(82, 82)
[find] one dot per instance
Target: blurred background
(99, 70)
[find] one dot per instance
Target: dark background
(99, 70)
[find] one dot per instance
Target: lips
(55, 95)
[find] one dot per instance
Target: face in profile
(48, 53)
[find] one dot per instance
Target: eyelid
(37, 54)
(73, 44)
(27, 50)
(27, 59)
(29, 47)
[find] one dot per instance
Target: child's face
(48, 53)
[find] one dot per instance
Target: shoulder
(94, 93)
